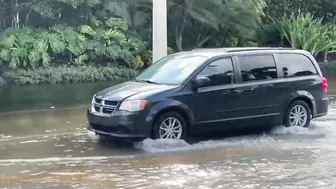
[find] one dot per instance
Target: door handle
(235, 91)
(232, 91)
(249, 89)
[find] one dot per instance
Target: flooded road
(73, 158)
(52, 149)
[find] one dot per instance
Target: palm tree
(212, 16)
(193, 10)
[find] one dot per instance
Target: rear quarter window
(257, 67)
(295, 65)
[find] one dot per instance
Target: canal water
(45, 96)
(44, 144)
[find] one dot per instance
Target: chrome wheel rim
(298, 116)
(170, 128)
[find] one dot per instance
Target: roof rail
(240, 49)
(258, 48)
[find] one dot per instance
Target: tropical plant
(303, 31)
(23, 48)
(103, 41)
(109, 40)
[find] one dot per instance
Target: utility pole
(159, 29)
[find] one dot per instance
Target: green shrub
(66, 74)
(99, 42)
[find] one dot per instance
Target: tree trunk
(180, 32)
(131, 7)
(17, 20)
(16, 15)
(27, 17)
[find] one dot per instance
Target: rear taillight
(324, 84)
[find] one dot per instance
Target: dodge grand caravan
(213, 90)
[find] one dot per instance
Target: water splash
(276, 137)
(29, 141)
(162, 145)
(92, 135)
(4, 136)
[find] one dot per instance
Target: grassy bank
(65, 74)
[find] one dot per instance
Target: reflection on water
(41, 122)
(32, 97)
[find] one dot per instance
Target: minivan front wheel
(170, 125)
(298, 114)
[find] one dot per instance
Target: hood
(128, 89)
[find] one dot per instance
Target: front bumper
(121, 124)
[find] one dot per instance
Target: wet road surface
(52, 149)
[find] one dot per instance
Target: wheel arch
(304, 96)
(171, 106)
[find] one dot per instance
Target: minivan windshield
(172, 69)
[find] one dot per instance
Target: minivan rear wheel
(170, 125)
(298, 114)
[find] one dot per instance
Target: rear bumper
(121, 125)
(322, 107)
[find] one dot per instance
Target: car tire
(169, 117)
(297, 114)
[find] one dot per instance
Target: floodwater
(49, 147)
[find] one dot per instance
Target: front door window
(220, 72)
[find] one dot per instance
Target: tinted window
(255, 68)
(293, 65)
(219, 72)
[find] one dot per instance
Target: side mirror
(201, 82)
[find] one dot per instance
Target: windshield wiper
(146, 80)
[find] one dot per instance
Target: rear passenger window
(294, 65)
(255, 68)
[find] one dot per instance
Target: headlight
(92, 104)
(133, 105)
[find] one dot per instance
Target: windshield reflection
(172, 69)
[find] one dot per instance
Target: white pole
(159, 29)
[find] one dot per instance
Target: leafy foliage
(303, 31)
(32, 48)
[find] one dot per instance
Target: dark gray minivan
(213, 90)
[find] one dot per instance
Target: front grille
(104, 106)
(111, 103)
(98, 101)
